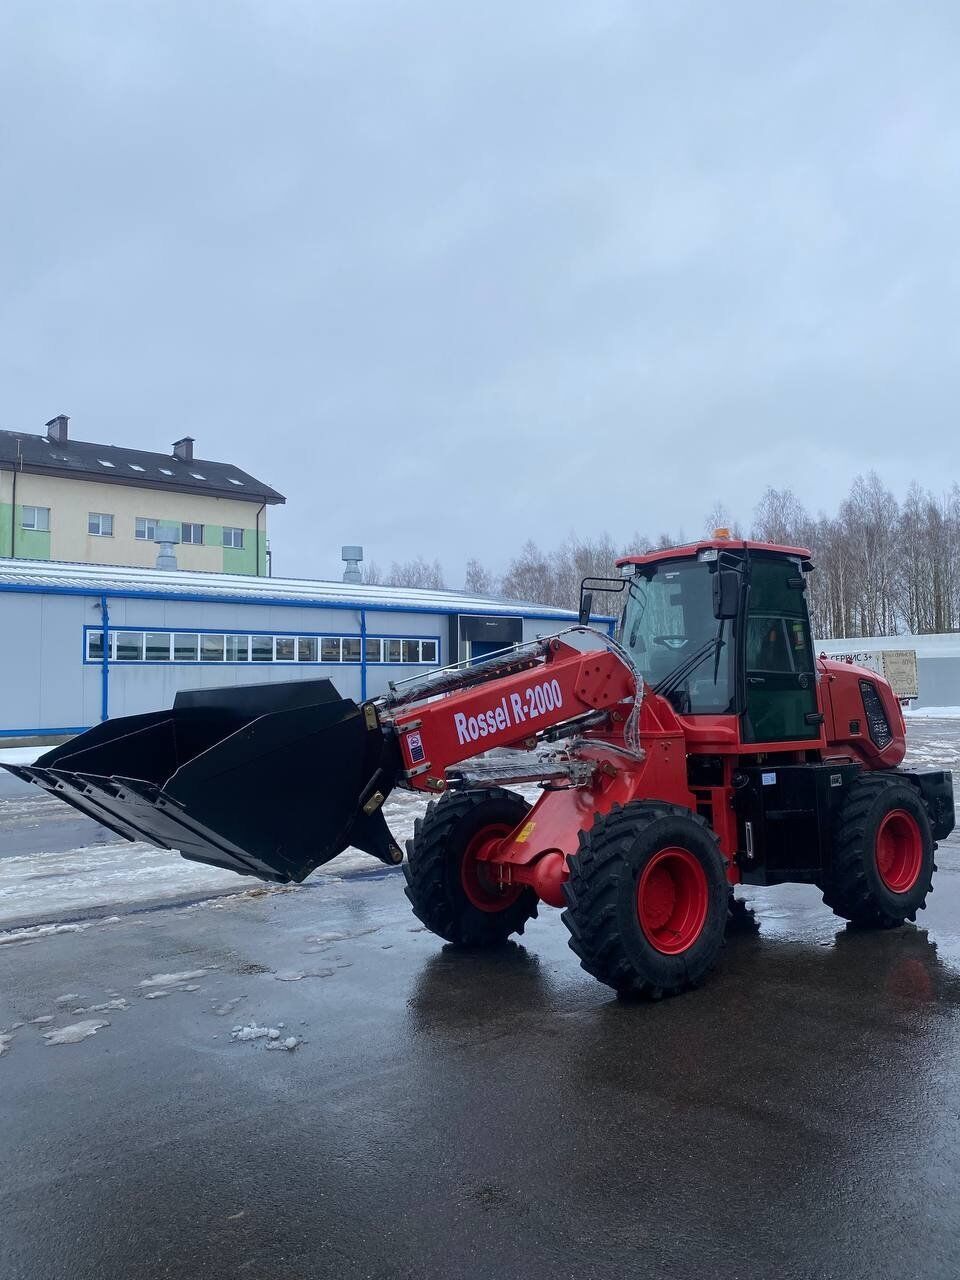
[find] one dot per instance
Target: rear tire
(452, 892)
(647, 899)
(882, 865)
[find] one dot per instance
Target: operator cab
(722, 628)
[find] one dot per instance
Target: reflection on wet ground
(447, 1114)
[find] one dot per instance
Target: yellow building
(63, 499)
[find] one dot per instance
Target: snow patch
(76, 1031)
(297, 975)
(253, 1032)
(22, 755)
(270, 1034)
(228, 1006)
(5, 1042)
(33, 932)
(170, 979)
(932, 713)
(106, 1007)
(289, 1044)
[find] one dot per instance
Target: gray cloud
(451, 276)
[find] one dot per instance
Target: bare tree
(719, 517)
(530, 576)
(418, 574)
(479, 581)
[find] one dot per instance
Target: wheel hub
(479, 876)
(899, 851)
(672, 900)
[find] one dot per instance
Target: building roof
(945, 645)
(178, 584)
(114, 464)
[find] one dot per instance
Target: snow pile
(4, 1043)
(76, 1031)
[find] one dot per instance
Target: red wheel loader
(705, 747)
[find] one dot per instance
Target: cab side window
(780, 673)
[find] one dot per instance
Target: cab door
(779, 670)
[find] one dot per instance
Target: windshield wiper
(690, 664)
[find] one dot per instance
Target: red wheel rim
(899, 851)
(672, 899)
(479, 878)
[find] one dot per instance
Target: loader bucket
(269, 780)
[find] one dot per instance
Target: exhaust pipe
(268, 780)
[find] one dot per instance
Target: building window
(161, 645)
(100, 525)
(129, 646)
(35, 518)
(146, 528)
(157, 646)
(95, 645)
(186, 646)
(211, 648)
(233, 538)
(192, 534)
(307, 649)
(238, 648)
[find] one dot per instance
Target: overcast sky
(453, 275)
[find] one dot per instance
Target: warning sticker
(768, 779)
(415, 747)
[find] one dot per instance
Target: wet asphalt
(475, 1115)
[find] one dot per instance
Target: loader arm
(520, 698)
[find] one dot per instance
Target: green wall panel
(244, 560)
(30, 544)
(5, 510)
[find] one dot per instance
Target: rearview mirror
(726, 593)
(586, 607)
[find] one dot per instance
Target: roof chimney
(351, 557)
(183, 449)
(57, 428)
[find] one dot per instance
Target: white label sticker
(768, 779)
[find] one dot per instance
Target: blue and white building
(81, 643)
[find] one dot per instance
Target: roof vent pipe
(168, 535)
(57, 428)
(183, 449)
(351, 556)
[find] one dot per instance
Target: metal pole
(363, 655)
(105, 661)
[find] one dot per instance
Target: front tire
(882, 864)
(453, 892)
(647, 899)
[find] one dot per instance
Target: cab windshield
(669, 629)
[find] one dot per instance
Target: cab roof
(689, 549)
